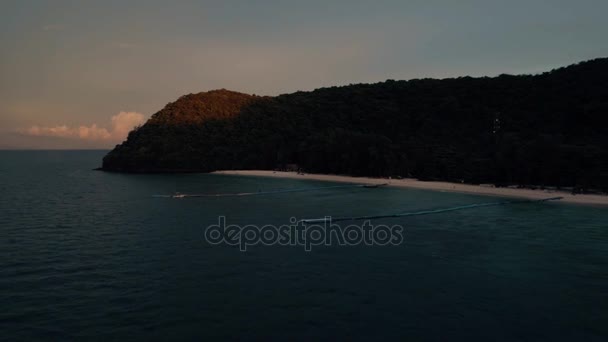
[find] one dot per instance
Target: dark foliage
(548, 129)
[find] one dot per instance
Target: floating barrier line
(426, 212)
(283, 191)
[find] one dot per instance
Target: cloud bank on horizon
(121, 124)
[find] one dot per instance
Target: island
(547, 130)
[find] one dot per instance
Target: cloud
(121, 124)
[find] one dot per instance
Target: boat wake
(273, 192)
(425, 212)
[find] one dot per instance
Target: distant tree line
(545, 130)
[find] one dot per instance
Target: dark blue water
(93, 255)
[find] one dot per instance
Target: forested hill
(547, 129)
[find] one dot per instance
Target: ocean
(90, 255)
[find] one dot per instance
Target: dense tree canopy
(547, 129)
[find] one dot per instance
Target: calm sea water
(93, 255)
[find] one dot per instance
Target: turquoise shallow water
(93, 255)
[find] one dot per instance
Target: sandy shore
(437, 186)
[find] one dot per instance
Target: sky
(81, 74)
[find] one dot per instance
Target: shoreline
(411, 183)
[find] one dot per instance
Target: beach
(488, 190)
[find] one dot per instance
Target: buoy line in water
(425, 212)
(282, 191)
